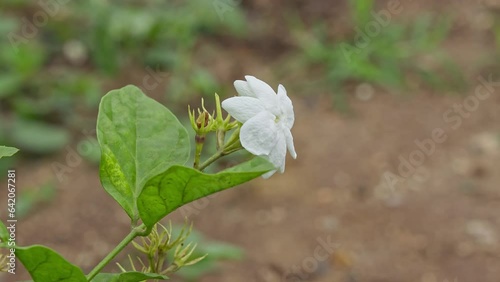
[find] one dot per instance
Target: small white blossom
(267, 118)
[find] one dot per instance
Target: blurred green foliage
(56, 56)
(496, 31)
(382, 51)
(52, 73)
(89, 149)
(29, 199)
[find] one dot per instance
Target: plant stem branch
(137, 231)
(200, 141)
(210, 160)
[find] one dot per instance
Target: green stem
(200, 141)
(159, 265)
(232, 145)
(137, 231)
(218, 155)
(210, 160)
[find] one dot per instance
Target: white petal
(286, 107)
(259, 134)
(264, 92)
(242, 108)
(268, 174)
(277, 155)
(289, 142)
(243, 88)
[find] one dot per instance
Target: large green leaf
(127, 277)
(180, 185)
(139, 139)
(7, 151)
(43, 264)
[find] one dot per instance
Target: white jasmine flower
(267, 118)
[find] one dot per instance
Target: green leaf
(180, 185)
(46, 265)
(139, 139)
(127, 277)
(7, 151)
(4, 233)
(38, 137)
(218, 250)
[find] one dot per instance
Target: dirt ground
(331, 216)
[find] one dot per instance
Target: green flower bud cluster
(204, 123)
(157, 245)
